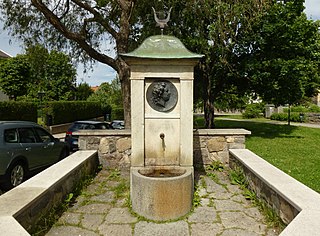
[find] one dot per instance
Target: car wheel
(14, 176)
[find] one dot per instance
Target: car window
(44, 136)
(77, 126)
(11, 136)
(102, 126)
(90, 127)
(26, 135)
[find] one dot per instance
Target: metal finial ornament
(162, 22)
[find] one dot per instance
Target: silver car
(26, 148)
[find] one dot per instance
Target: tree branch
(98, 17)
(80, 39)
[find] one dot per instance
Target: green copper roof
(162, 47)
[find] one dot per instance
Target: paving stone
(238, 232)
(92, 189)
(223, 177)
(234, 188)
(230, 215)
(202, 192)
(105, 197)
(241, 221)
(121, 202)
(228, 205)
(213, 186)
(120, 215)
(205, 201)
(201, 229)
(179, 228)
(95, 208)
(70, 231)
(111, 184)
(272, 232)
(254, 213)
(91, 221)
(203, 215)
(220, 195)
(69, 218)
(115, 229)
(240, 198)
(78, 202)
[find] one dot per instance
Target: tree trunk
(289, 114)
(208, 104)
(209, 114)
(124, 77)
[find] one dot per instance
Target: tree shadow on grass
(260, 129)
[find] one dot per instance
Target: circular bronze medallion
(162, 95)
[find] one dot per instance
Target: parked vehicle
(117, 124)
(25, 148)
(72, 140)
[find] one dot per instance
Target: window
(26, 135)
(10, 136)
(44, 136)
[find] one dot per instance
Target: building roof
(94, 88)
(4, 54)
(162, 47)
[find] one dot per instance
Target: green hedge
(65, 112)
(304, 109)
(117, 114)
(254, 110)
(10, 110)
(294, 116)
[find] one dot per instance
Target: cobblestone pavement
(102, 209)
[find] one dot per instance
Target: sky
(103, 73)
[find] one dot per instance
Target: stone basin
(162, 193)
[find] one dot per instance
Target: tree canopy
(39, 72)
(109, 94)
(251, 46)
(216, 29)
(83, 91)
(15, 76)
(52, 73)
(86, 29)
(283, 66)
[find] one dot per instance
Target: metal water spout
(163, 143)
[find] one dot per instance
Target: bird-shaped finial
(161, 22)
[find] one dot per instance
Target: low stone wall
(213, 144)
(22, 207)
(296, 204)
(313, 118)
(114, 146)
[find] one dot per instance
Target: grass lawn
(295, 150)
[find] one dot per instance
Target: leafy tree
(109, 94)
(52, 72)
(81, 27)
(283, 66)
(215, 28)
(225, 31)
(83, 91)
(15, 76)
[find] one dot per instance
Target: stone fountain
(161, 128)
(161, 173)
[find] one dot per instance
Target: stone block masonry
(114, 146)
